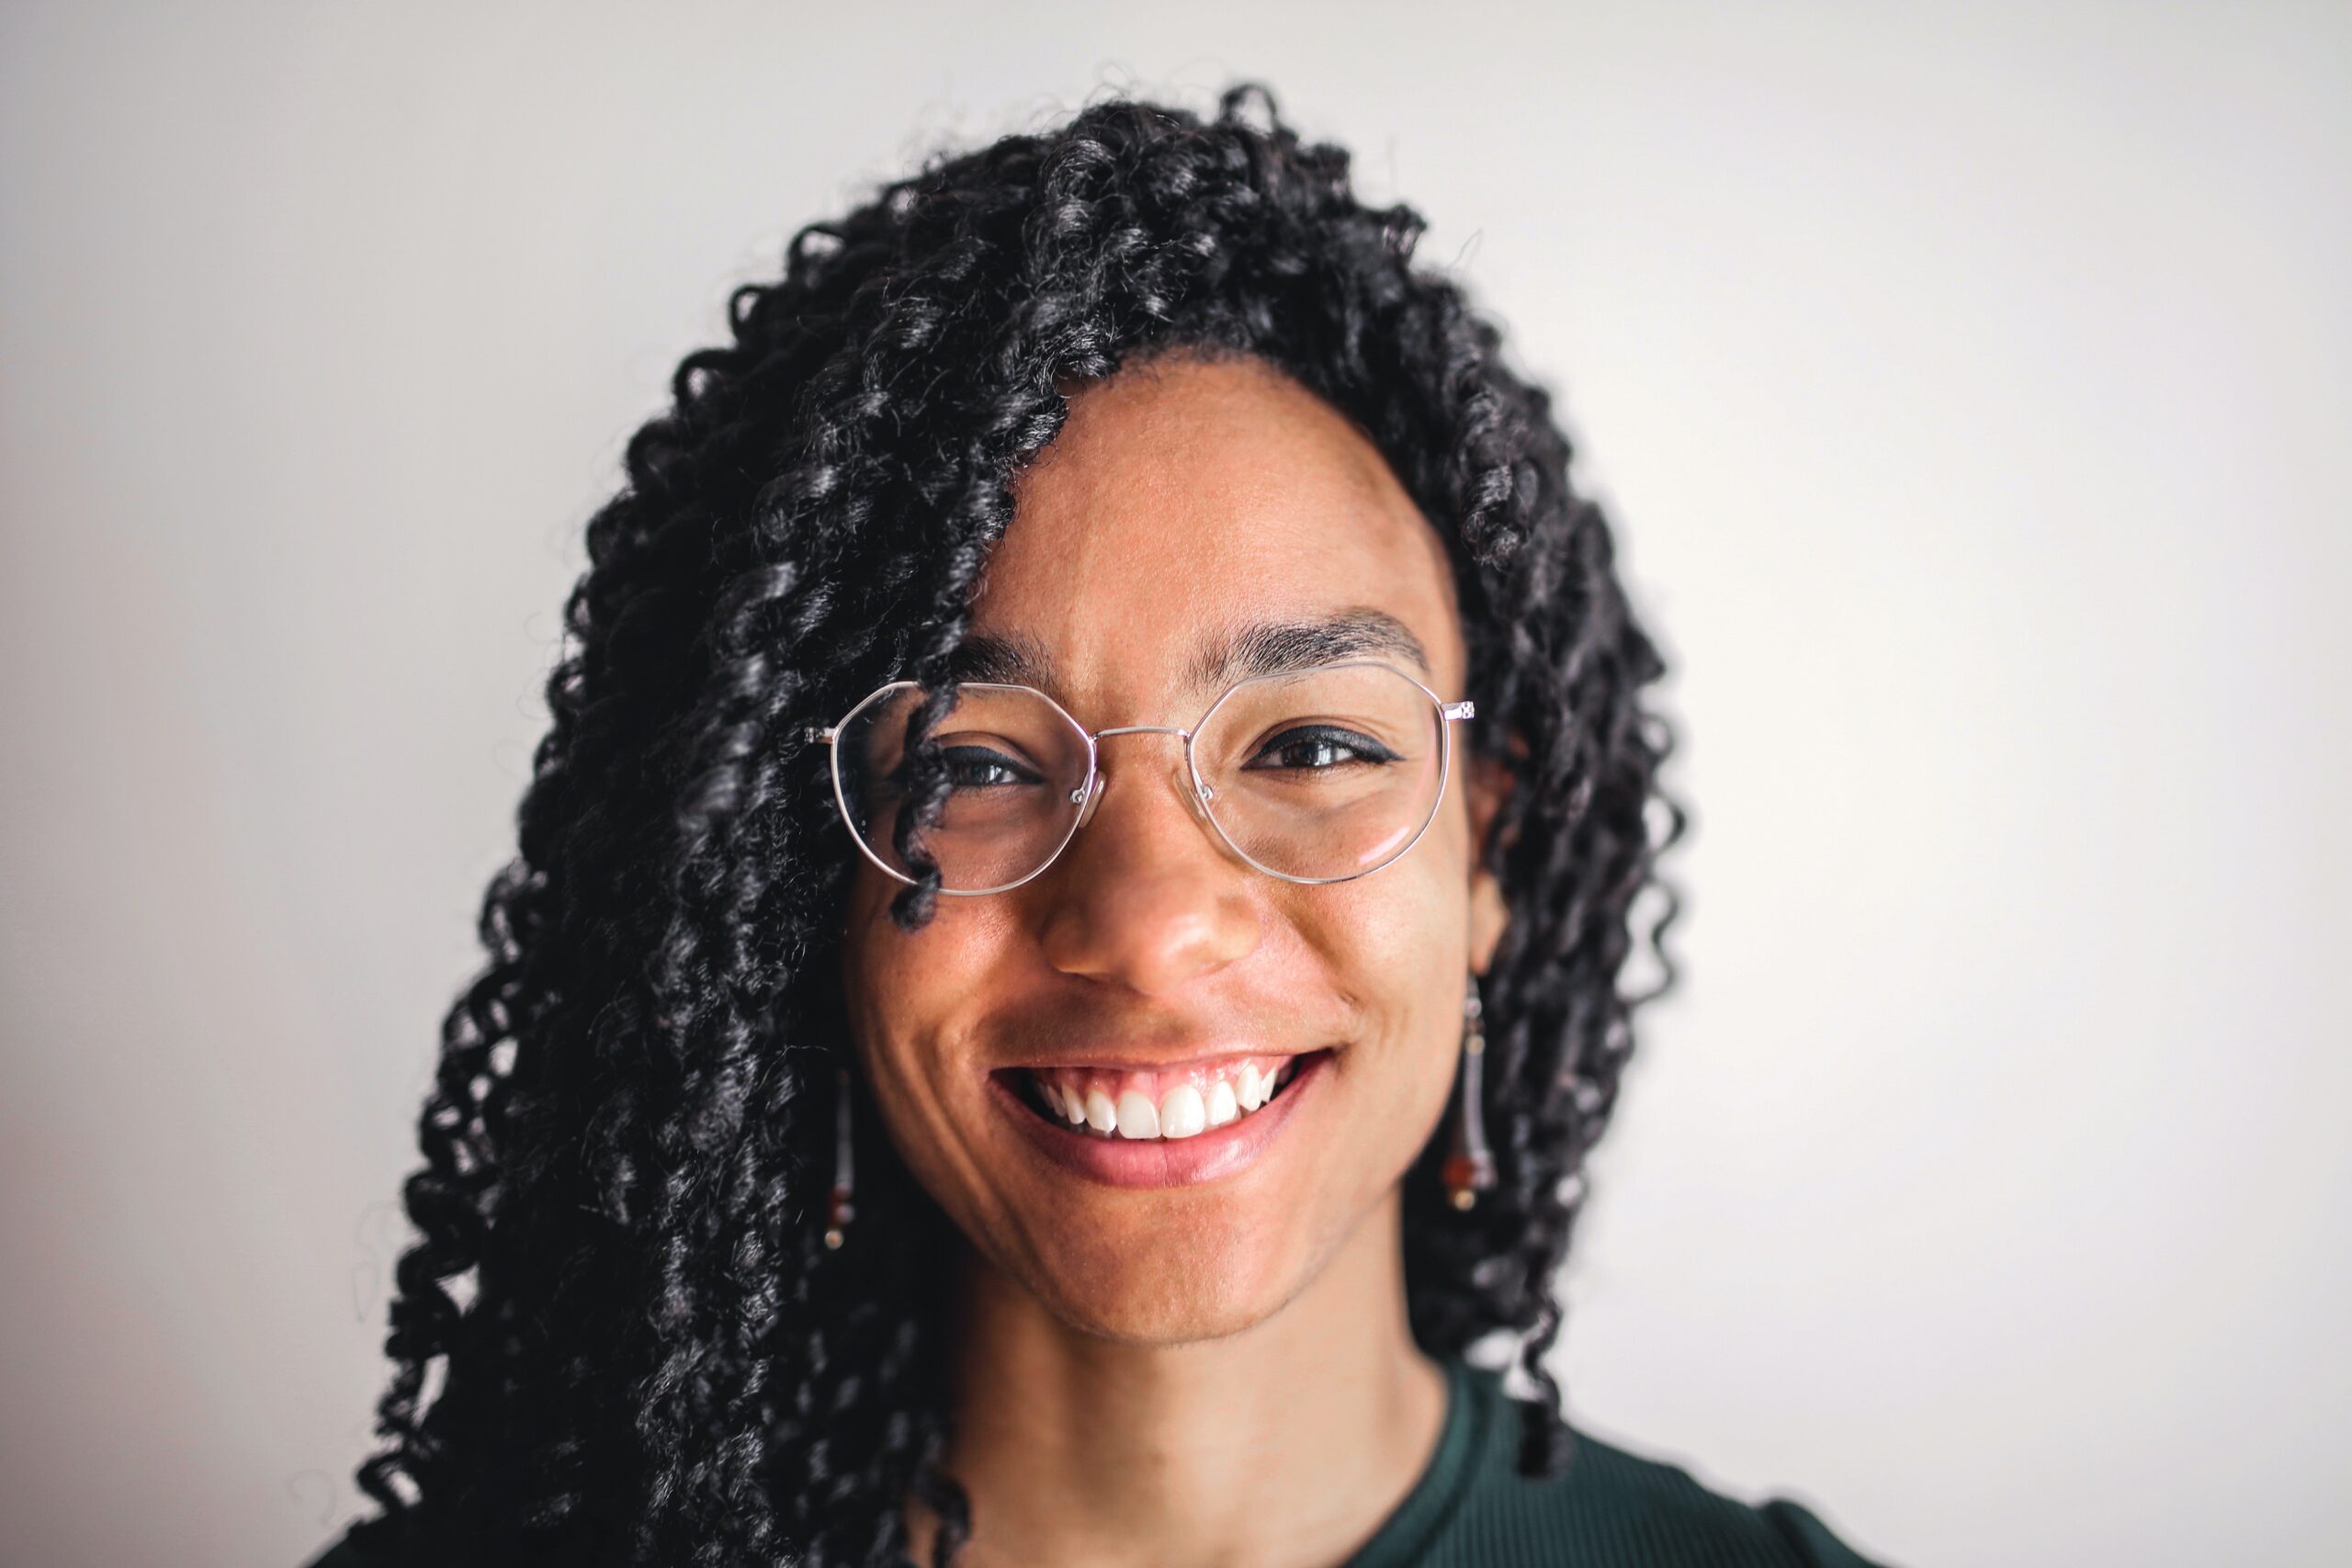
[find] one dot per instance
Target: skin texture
(1141, 1372)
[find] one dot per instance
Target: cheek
(1391, 931)
(1404, 929)
(1397, 946)
(911, 995)
(901, 983)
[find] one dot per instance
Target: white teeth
(1182, 1115)
(1185, 1111)
(1138, 1118)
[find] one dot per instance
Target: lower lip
(1164, 1162)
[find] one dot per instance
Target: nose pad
(1094, 798)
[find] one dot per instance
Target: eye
(1318, 748)
(980, 767)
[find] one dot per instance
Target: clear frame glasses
(1314, 776)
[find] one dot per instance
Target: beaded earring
(1469, 1166)
(838, 1212)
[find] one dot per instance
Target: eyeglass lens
(1316, 774)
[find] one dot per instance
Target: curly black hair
(620, 1337)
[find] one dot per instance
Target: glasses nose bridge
(1146, 729)
(1094, 788)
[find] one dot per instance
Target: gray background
(1971, 394)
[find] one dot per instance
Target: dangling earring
(838, 1212)
(1469, 1166)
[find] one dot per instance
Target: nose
(1145, 896)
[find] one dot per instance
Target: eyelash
(957, 755)
(1366, 749)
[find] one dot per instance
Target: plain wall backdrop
(1971, 388)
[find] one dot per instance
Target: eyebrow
(1265, 648)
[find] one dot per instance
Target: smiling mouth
(1163, 1105)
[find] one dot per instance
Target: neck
(1282, 1446)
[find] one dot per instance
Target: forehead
(1190, 508)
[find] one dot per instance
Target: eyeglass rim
(1448, 714)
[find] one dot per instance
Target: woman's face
(1184, 503)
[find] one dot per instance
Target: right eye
(980, 767)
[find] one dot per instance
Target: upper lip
(1113, 1059)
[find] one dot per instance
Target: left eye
(976, 767)
(1320, 747)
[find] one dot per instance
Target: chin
(1173, 1295)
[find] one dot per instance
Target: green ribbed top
(1472, 1510)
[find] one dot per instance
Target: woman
(1062, 969)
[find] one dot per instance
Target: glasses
(1315, 775)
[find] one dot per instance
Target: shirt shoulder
(1621, 1508)
(1655, 1510)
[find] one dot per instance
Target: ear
(1487, 783)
